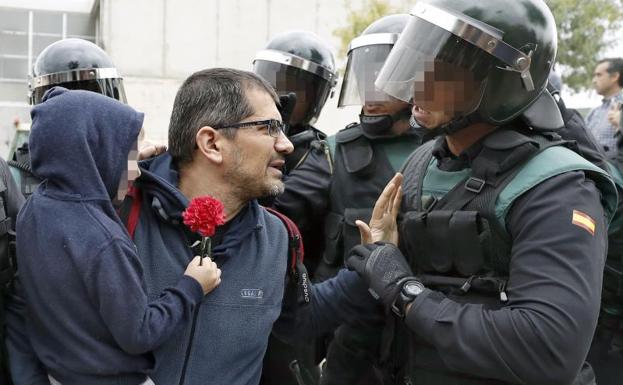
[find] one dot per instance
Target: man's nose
(283, 144)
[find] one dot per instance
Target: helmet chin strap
(455, 125)
(380, 126)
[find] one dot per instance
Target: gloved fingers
(356, 259)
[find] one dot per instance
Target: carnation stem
(206, 249)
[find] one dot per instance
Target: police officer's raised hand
(383, 268)
(382, 227)
(206, 273)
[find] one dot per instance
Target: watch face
(413, 288)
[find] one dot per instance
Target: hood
(158, 183)
(80, 140)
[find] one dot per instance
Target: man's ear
(208, 142)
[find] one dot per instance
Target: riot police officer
(10, 202)
(367, 154)
(73, 64)
(503, 230)
(301, 68)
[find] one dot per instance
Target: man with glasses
(226, 141)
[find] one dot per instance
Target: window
(24, 34)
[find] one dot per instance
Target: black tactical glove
(383, 268)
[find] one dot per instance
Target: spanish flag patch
(584, 221)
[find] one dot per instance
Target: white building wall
(156, 44)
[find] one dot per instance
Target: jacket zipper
(190, 345)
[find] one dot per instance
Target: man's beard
(247, 186)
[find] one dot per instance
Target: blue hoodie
(90, 320)
(225, 342)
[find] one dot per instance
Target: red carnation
(203, 214)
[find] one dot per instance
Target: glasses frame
(275, 127)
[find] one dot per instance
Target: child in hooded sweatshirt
(89, 318)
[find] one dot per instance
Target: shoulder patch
(584, 221)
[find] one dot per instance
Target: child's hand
(207, 274)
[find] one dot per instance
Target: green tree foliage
(359, 18)
(583, 29)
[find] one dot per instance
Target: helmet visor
(311, 90)
(435, 70)
(110, 87)
(362, 69)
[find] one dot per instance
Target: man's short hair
(615, 65)
(213, 97)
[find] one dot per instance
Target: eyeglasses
(275, 127)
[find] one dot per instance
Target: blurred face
(130, 174)
(254, 160)
(446, 92)
(384, 108)
(302, 106)
(605, 83)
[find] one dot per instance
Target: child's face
(129, 175)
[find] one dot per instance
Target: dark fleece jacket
(90, 320)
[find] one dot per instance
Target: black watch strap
(408, 293)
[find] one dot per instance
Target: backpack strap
(297, 272)
(295, 241)
(130, 209)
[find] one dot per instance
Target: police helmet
(366, 55)
(74, 64)
(299, 62)
(499, 52)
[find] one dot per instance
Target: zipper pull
(503, 296)
(327, 154)
(468, 284)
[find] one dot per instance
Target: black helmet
(299, 62)
(500, 52)
(366, 55)
(75, 64)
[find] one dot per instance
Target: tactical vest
(362, 167)
(22, 171)
(472, 205)
(611, 317)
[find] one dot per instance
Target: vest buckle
(474, 184)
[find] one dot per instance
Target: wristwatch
(410, 290)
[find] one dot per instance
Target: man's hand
(383, 227)
(383, 268)
(614, 115)
(149, 150)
